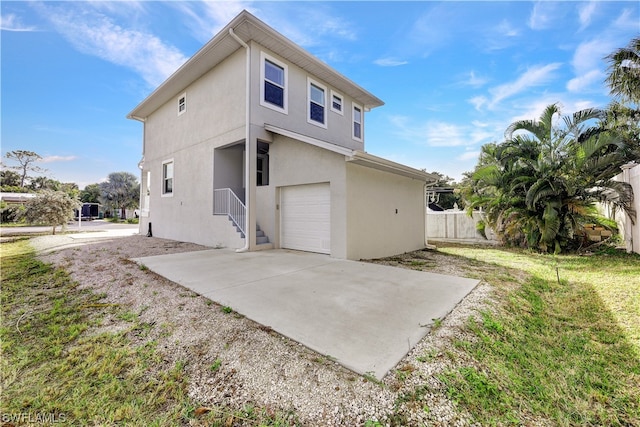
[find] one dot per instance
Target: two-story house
(254, 143)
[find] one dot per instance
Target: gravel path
(257, 365)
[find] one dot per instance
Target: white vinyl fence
(454, 225)
(630, 231)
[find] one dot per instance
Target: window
(167, 178)
(357, 122)
(262, 164)
(336, 103)
(273, 92)
(317, 101)
(182, 103)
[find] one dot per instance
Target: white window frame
(341, 98)
(164, 178)
(285, 108)
(353, 122)
(182, 106)
(311, 82)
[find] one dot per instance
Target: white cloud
(478, 102)
(541, 16)
(534, 76)
(440, 134)
(582, 82)
(532, 109)
(320, 28)
(507, 30)
(53, 159)
(389, 62)
(588, 64)
(469, 155)
(474, 81)
(627, 20)
(589, 54)
(206, 19)
(11, 22)
(585, 13)
(435, 133)
(94, 33)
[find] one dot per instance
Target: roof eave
(369, 160)
(203, 60)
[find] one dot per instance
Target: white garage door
(305, 218)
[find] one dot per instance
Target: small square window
(182, 104)
(336, 103)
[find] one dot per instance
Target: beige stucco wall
(338, 129)
(214, 117)
(385, 213)
(364, 222)
(295, 163)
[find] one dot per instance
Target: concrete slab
(366, 316)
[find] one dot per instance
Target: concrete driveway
(365, 316)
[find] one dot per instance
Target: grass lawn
(559, 345)
(58, 365)
(562, 344)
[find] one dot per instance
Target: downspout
(247, 178)
(425, 204)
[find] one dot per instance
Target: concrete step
(261, 239)
(264, 246)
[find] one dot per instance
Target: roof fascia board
(379, 163)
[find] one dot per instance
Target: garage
(305, 218)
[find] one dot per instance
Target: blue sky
(453, 75)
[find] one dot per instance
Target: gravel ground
(257, 365)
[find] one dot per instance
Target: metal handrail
(225, 202)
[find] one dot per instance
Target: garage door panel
(305, 218)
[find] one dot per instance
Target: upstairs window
(357, 122)
(182, 104)
(317, 99)
(336, 103)
(274, 84)
(167, 178)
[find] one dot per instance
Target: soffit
(247, 27)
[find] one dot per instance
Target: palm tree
(624, 72)
(539, 186)
(624, 85)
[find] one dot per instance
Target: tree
(44, 183)
(624, 72)
(90, 194)
(26, 160)
(538, 188)
(120, 191)
(10, 181)
(624, 86)
(447, 191)
(50, 207)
